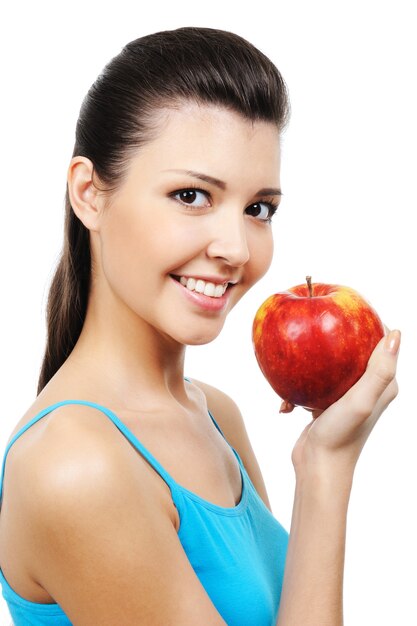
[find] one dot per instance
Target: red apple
(313, 342)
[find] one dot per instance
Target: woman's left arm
(324, 459)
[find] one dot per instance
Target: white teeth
(191, 284)
(208, 289)
(199, 286)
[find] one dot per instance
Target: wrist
(325, 477)
(322, 500)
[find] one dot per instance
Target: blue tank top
(238, 553)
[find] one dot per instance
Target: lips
(203, 286)
(204, 302)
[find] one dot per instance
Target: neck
(121, 352)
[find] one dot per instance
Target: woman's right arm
(324, 459)
(104, 546)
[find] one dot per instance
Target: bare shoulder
(80, 463)
(69, 453)
(69, 462)
(229, 417)
(102, 545)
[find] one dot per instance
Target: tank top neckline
(235, 510)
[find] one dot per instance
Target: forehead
(213, 139)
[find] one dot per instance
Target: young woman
(131, 494)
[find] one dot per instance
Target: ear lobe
(82, 193)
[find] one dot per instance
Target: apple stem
(310, 288)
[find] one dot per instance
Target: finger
(384, 400)
(380, 373)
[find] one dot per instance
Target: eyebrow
(266, 191)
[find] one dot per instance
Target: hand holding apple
(313, 342)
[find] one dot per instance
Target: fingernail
(392, 342)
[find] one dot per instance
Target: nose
(228, 240)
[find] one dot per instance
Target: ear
(83, 195)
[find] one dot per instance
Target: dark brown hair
(118, 116)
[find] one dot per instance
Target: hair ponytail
(68, 295)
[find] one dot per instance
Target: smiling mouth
(205, 288)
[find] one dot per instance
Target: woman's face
(194, 204)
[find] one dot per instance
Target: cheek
(125, 254)
(261, 253)
(137, 250)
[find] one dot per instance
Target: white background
(347, 216)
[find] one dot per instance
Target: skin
(130, 357)
(145, 235)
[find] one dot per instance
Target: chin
(200, 336)
(199, 341)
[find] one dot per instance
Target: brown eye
(263, 210)
(189, 195)
(196, 198)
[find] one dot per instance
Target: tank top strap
(116, 421)
(213, 420)
(217, 426)
(235, 452)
